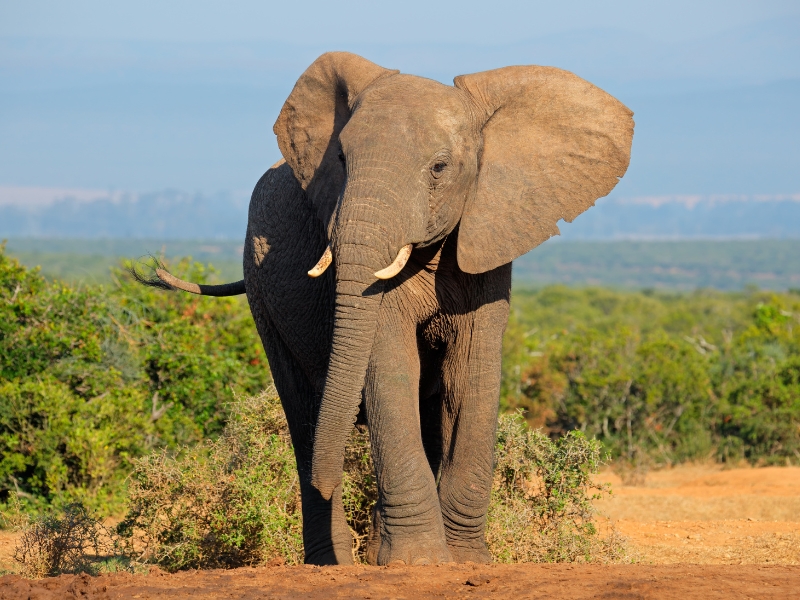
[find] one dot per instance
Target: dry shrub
(359, 490)
(226, 503)
(67, 541)
(541, 507)
(235, 501)
(633, 472)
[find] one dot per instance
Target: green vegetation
(93, 377)
(660, 378)
(121, 397)
(541, 508)
(225, 503)
(235, 502)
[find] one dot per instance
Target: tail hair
(150, 278)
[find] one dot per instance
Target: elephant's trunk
(359, 250)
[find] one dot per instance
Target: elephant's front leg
(410, 518)
(326, 536)
(471, 382)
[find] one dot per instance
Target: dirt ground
(684, 582)
(710, 515)
(697, 532)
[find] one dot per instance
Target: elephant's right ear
(312, 117)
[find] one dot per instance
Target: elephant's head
(392, 161)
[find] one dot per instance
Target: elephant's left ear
(552, 145)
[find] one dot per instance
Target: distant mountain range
(688, 217)
(42, 212)
(87, 214)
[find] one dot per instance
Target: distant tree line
(660, 378)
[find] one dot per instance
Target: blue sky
(409, 21)
(147, 95)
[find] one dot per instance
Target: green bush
(235, 501)
(541, 507)
(636, 396)
(54, 441)
(761, 417)
(93, 377)
(230, 502)
(660, 379)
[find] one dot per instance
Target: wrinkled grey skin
(472, 175)
(430, 390)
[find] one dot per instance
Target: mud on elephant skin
(377, 266)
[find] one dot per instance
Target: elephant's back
(278, 201)
(284, 240)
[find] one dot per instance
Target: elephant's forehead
(413, 104)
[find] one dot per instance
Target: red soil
(685, 582)
(697, 531)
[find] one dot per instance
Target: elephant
(408, 200)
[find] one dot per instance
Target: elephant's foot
(330, 556)
(337, 551)
(462, 554)
(414, 550)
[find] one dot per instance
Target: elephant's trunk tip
(323, 485)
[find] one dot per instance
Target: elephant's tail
(166, 281)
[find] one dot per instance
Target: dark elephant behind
(412, 198)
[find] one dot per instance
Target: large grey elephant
(408, 199)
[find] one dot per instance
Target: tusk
(322, 264)
(398, 264)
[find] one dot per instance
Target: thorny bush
(67, 541)
(230, 502)
(541, 507)
(235, 501)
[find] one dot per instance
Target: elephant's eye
(341, 156)
(438, 168)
